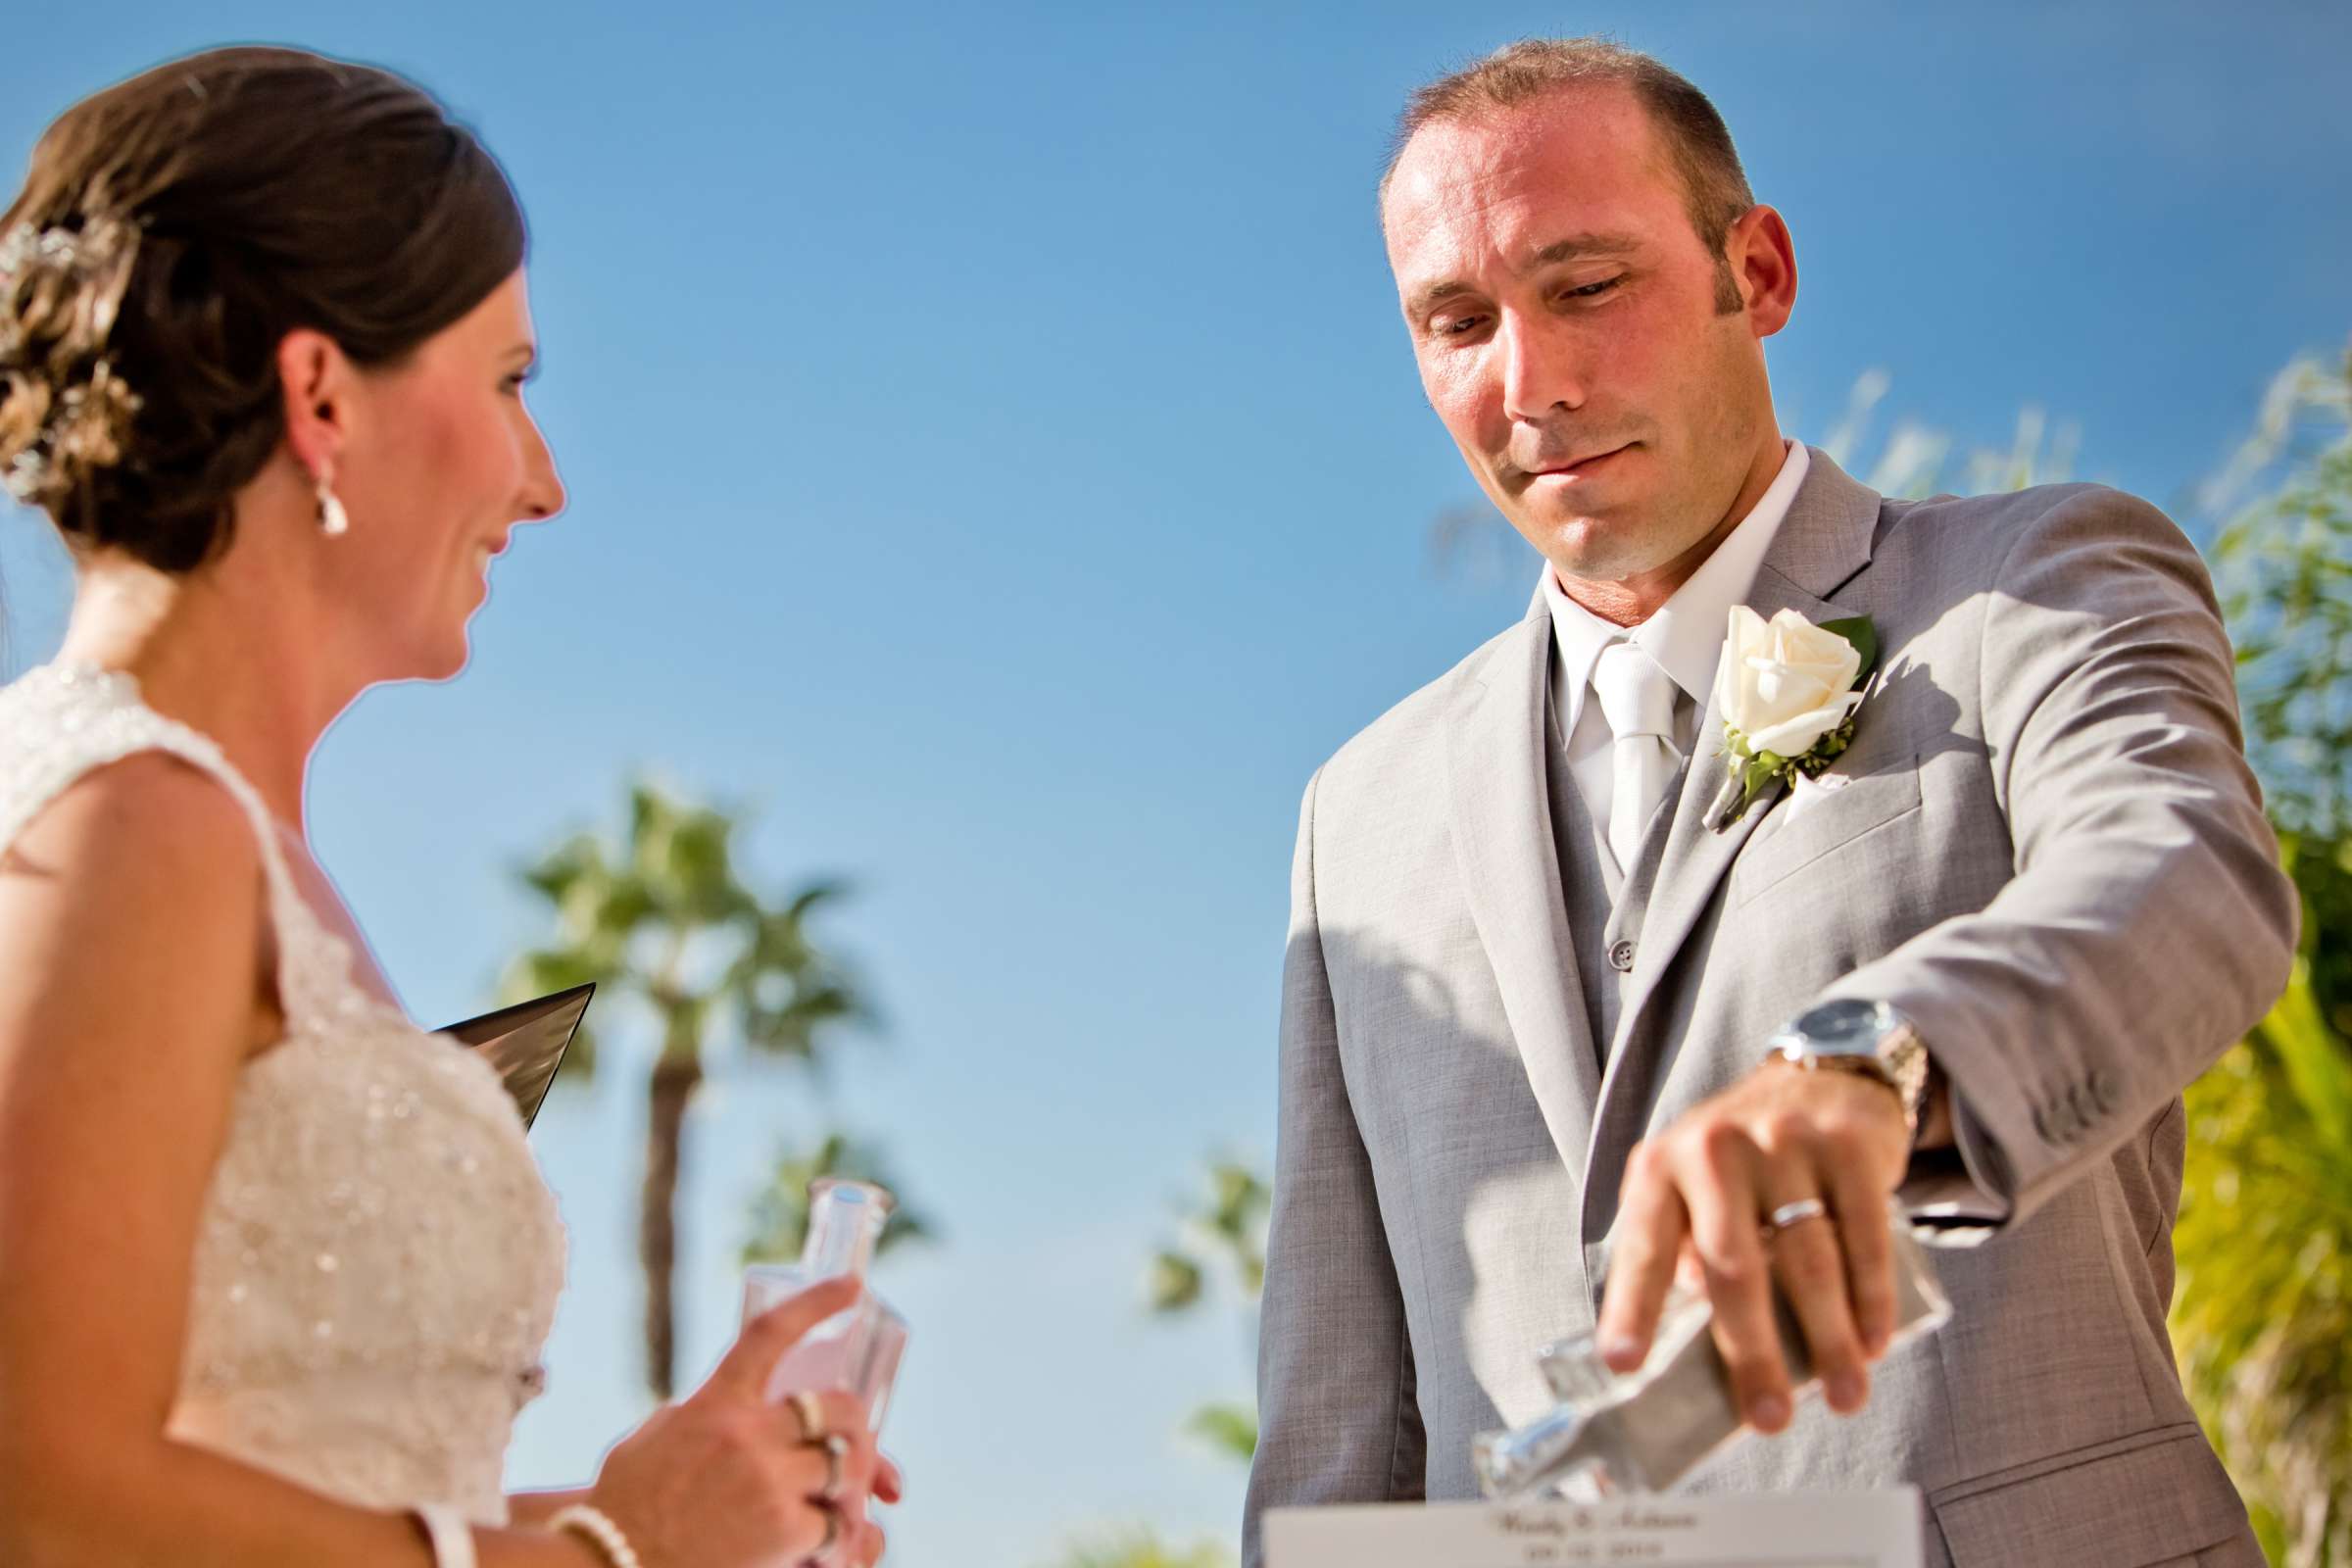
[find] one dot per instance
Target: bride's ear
(318, 382)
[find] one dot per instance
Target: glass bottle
(857, 1349)
(1615, 1433)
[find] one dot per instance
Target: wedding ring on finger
(810, 1411)
(837, 1455)
(1797, 1213)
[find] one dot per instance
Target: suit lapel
(1503, 836)
(1824, 541)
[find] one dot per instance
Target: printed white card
(1879, 1529)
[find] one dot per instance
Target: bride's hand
(725, 1480)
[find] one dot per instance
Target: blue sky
(996, 460)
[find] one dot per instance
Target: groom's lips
(1580, 469)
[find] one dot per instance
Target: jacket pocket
(1796, 833)
(2147, 1498)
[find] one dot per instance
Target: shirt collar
(1685, 634)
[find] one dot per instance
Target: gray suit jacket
(2051, 855)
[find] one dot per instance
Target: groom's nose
(1542, 367)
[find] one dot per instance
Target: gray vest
(1604, 918)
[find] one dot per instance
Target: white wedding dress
(378, 1261)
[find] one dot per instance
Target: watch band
(1872, 1039)
(1793, 1053)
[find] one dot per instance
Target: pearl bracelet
(452, 1537)
(582, 1520)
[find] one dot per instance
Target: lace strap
(59, 745)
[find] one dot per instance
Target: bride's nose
(543, 494)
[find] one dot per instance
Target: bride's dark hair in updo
(173, 229)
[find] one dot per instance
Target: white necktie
(1637, 697)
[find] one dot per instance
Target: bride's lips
(484, 550)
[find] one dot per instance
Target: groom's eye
(1587, 291)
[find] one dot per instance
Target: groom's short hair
(1714, 186)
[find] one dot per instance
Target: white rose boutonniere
(1787, 690)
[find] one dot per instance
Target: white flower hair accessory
(65, 410)
(1787, 690)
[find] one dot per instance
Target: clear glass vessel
(860, 1349)
(1615, 1433)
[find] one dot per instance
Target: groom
(1531, 982)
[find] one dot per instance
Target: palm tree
(661, 917)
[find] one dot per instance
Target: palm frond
(1230, 1429)
(780, 1214)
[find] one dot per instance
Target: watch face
(1850, 1027)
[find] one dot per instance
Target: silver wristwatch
(1868, 1038)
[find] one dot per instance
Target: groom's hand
(1697, 1199)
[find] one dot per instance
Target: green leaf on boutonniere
(1825, 753)
(1859, 630)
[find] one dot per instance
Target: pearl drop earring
(333, 521)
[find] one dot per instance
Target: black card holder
(526, 1043)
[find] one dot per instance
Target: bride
(275, 1265)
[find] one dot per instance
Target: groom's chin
(1593, 549)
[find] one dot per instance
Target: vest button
(1621, 956)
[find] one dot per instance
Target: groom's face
(1568, 323)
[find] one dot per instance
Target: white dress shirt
(1685, 637)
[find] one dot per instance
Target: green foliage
(1140, 1549)
(1224, 1233)
(2263, 1319)
(1230, 1429)
(1175, 1281)
(2323, 872)
(1225, 1228)
(2283, 567)
(780, 1215)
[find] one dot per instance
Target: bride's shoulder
(95, 784)
(142, 872)
(152, 813)
(142, 842)
(131, 934)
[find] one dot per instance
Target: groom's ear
(1762, 258)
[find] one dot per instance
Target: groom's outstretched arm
(2143, 926)
(1335, 1369)
(2147, 924)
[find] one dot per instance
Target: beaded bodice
(378, 1258)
